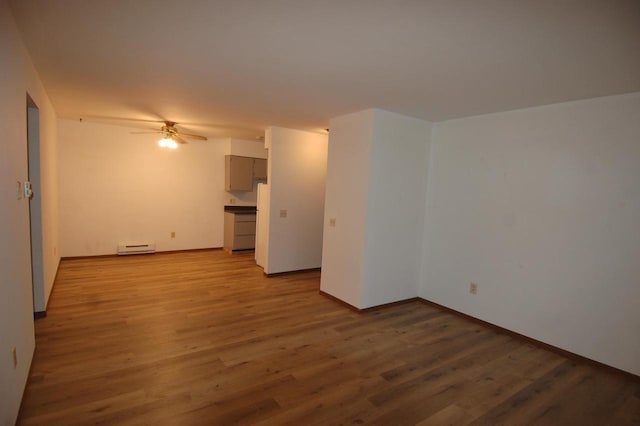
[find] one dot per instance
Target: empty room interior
(320, 212)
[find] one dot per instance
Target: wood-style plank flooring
(203, 338)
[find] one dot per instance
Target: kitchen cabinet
(241, 171)
(260, 168)
(239, 231)
(238, 173)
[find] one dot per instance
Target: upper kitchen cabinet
(260, 168)
(238, 173)
(241, 171)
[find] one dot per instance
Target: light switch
(332, 221)
(27, 189)
(283, 213)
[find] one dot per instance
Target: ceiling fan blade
(187, 135)
(179, 139)
(117, 119)
(143, 133)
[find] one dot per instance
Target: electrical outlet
(473, 288)
(173, 234)
(283, 213)
(55, 251)
(19, 192)
(332, 221)
(232, 200)
(15, 357)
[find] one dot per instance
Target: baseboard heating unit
(136, 248)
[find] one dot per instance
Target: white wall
(395, 208)
(540, 207)
(346, 200)
(115, 187)
(245, 148)
(296, 173)
(376, 191)
(16, 298)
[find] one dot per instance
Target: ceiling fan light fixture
(167, 142)
(171, 137)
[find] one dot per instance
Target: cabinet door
(229, 229)
(238, 173)
(244, 242)
(260, 168)
(245, 228)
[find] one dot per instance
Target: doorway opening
(35, 207)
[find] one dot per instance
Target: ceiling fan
(171, 136)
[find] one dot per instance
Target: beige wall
(16, 298)
(118, 187)
(346, 198)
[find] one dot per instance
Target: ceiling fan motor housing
(169, 129)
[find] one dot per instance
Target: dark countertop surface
(240, 209)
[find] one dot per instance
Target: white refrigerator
(262, 225)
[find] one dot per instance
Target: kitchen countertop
(240, 209)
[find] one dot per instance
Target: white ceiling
(231, 68)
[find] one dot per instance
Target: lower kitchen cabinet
(239, 231)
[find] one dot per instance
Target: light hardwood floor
(203, 338)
